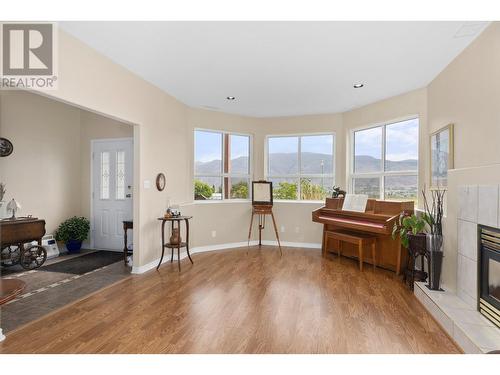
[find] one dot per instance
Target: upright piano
(378, 219)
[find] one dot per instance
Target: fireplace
(489, 273)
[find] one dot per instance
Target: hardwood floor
(230, 302)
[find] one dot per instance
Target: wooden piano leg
(323, 243)
(360, 251)
(398, 262)
(373, 255)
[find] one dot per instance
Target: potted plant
(73, 232)
(408, 226)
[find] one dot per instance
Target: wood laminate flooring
(233, 302)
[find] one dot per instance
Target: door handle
(128, 195)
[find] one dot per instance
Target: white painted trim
(201, 249)
(307, 245)
(2, 336)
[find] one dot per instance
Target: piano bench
(356, 238)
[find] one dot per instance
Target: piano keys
(378, 219)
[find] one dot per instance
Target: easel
(262, 207)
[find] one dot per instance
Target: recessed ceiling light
(358, 85)
(230, 98)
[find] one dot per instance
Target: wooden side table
(172, 246)
(127, 224)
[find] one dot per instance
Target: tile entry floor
(48, 291)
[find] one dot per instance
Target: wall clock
(160, 181)
(6, 147)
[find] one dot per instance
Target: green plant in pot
(73, 232)
(409, 226)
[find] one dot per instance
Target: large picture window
(385, 161)
(301, 167)
(222, 167)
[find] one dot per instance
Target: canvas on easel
(262, 193)
(262, 205)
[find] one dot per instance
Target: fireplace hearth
(489, 273)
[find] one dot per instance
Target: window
(105, 170)
(301, 167)
(385, 161)
(120, 175)
(221, 165)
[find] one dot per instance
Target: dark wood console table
(173, 246)
(127, 224)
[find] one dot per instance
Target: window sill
(224, 201)
(278, 201)
(229, 201)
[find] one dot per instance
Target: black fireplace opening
(489, 273)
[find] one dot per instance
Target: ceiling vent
(470, 30)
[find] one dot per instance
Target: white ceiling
(280, 68)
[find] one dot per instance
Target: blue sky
(401, 141)
(321, 144)
(208, 146)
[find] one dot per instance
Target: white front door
(112, 177)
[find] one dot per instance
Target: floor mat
(84, 263)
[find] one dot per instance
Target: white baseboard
(307, 245)
(202, 249)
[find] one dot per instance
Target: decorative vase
(435, 260)
(417, 247)
(73, 246)
(175, 238)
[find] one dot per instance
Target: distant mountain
(365, 163)
(286, 163)
(238, 165)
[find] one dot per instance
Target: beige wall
(43, 172)
(467, 94)
(49, 171)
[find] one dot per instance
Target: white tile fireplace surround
(457, 312)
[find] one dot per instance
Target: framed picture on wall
(441, 157)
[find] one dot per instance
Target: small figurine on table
(338, 192)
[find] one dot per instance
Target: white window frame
(299, 175)
(224, 175)
(383, 173)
